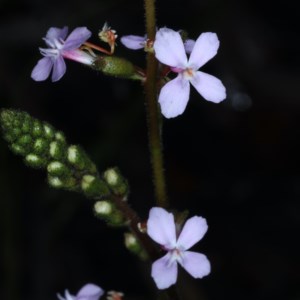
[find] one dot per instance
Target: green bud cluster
(42, 146)
(108, 212)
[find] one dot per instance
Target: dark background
(236, 163)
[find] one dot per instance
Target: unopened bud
(116, 182)
(94, 187)
(116, 66)
(103, 208)
(35, 161)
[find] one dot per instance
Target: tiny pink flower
(170, 50)
(162, 229)
(89, 291)
(60, 47)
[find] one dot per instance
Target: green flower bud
(59, 136)
(133, 245)
(103, 208)
(60, 183)
(48, 131)
(55, 182)
(79, 159)
(25, 141)
(35, 161)
(94, 187)
(37, 128)
(26, 126)
(107, 211)
(40, 146)
(57, 168)
(17, 149)
(116, 182)
(57, 150)
(116, 66)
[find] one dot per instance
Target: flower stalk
(153, 116)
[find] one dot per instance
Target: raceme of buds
(42, 146)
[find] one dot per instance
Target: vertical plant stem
(153, 115)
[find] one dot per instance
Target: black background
(236, 163)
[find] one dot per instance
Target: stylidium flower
(89, 291)
(60, 47)
(162, 229)
(134, 42)
(170, 50)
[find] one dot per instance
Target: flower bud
(37, 128)
(79, 159)
(56, 168)
(35, 161)
(57, 150)
(94, 187)
(40, 146)
(116, 182)
(134, 246)
(48, 131)
(103, 208)
(116, 66)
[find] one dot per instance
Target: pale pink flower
(89, 291)
(59, 47)
(170, 50)
(161, 228)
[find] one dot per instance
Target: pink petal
(205, 48)
(189, 45)
(196, 264)
(192, 232)
(209, 87)
(169, 48)
(161, 227)
(174, 97)
(163, 272)
(76, 38)
(57, 33)
(59, 69)
(42, 69)
(133, 42)
(89, 292)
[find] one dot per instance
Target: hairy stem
(153, 115)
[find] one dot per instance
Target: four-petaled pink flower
(89, 291)
(61, 47)
(162, 229)
(169, 50)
